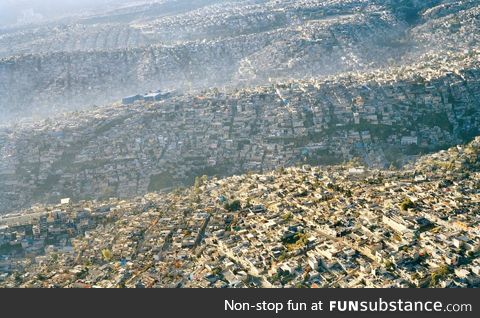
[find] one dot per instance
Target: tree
(389, 266)
(437, 275)
(281, 170)
(18, 278)
(107, 255)
(287, 216)
(197, 184)
(54, 257)
(234, 206)
(407, 204)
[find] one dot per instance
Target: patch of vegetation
(437, 119)
(287, 217)
(7, 249)
(407, 204)
(297, 241)
(234, 206)
(438, 275)
(160, 181)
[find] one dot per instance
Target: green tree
(439, 274)
(234, 206)
(196, 185)
(107, 255)
(407, 204)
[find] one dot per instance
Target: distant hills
(78, 62)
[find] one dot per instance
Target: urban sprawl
(243, 144)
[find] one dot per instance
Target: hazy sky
(13, 10)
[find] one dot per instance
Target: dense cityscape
(342, 226)
(242, 144)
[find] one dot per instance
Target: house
(156, 96)
(131, 99)
(395, 224)
(258, 209)
(407, 140)
(358, 170)
(152, 97)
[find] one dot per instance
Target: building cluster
(149, 97)
(172, 26)
(379, 118)
(44, 231)
(57, 67)
(340, 226)
(234, 18)
(48, 38)
(454, 26)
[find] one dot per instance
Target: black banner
(246, 302)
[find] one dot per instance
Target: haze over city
(246, 143)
